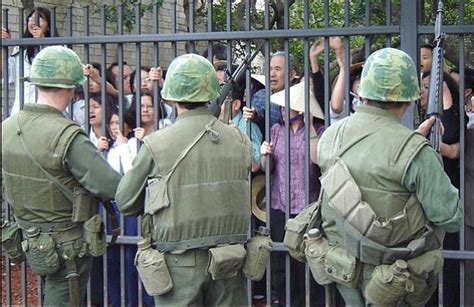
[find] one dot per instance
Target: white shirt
(120, 156)
(14, 77)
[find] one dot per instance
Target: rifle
(435, 96)
(215, 106)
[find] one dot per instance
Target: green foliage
(128, 12)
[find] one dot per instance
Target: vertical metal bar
(24, 282)
(87, 61)
(308, 119)
(52, 26)
(191, 45)
(327, 89)
(229, 29)
(388, 21)
(157, 103)
(268, 290)
(40, 290)
(368, 39)
(286, 43)
(69, 21)
(6, 77)
(120, 79)
(174, 51)
(409, 43)
(103, 63)
(347, 61)
(210, 54)
(69, 33)
(22, 56)
(462, 158)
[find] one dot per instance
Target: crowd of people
(119, 138)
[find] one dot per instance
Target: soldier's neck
(57, 99)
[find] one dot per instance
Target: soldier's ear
(236, 104)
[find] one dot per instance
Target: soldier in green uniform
(386, 200)
(49, 167)
(191, 182)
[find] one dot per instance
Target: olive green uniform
(389, 166)
(63, 150)
(208, 194)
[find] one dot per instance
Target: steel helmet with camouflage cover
(57, 66)
(389, 75)
(190, 78)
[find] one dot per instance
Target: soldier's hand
(249, 113)
(5, 33)
(139, 133)
(266, 148)
(103, 143)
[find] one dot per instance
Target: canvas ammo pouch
(389, 284)
(94, 236)
(226, 261)
(156, 195)
(11, 241)
(342, 267)
(315, 251)
(84, 206)
(152, 269)
(424, 271)
(295, 229)
(258, 254)
(40, 250)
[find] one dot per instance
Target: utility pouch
(315, 252)
(295, 229)
(153, 271)
(156, 195)
(342, 267)
(424, 271)
(11, 241)
(258, 255)
(85, 205)
(226, 261)
(94, 236)
(387, 287)
(41, 253)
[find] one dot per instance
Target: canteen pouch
(153, 271)
(258, 255)
(94, 236)
(41, 254)
(342, 267)
(11, 241)
(387, 288)
(315, 252)
(226, 261)
(295, 229)
(424, 271)
(156, 195)
(85, 205)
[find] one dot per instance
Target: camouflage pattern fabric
(57, 66)
(389, 75)
(190, 78)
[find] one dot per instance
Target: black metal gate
(241, 27)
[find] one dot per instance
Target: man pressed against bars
(49, 164)
(190, 181)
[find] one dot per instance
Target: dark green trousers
(194, 286)
(56, 291)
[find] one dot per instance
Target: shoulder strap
(214, 135)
